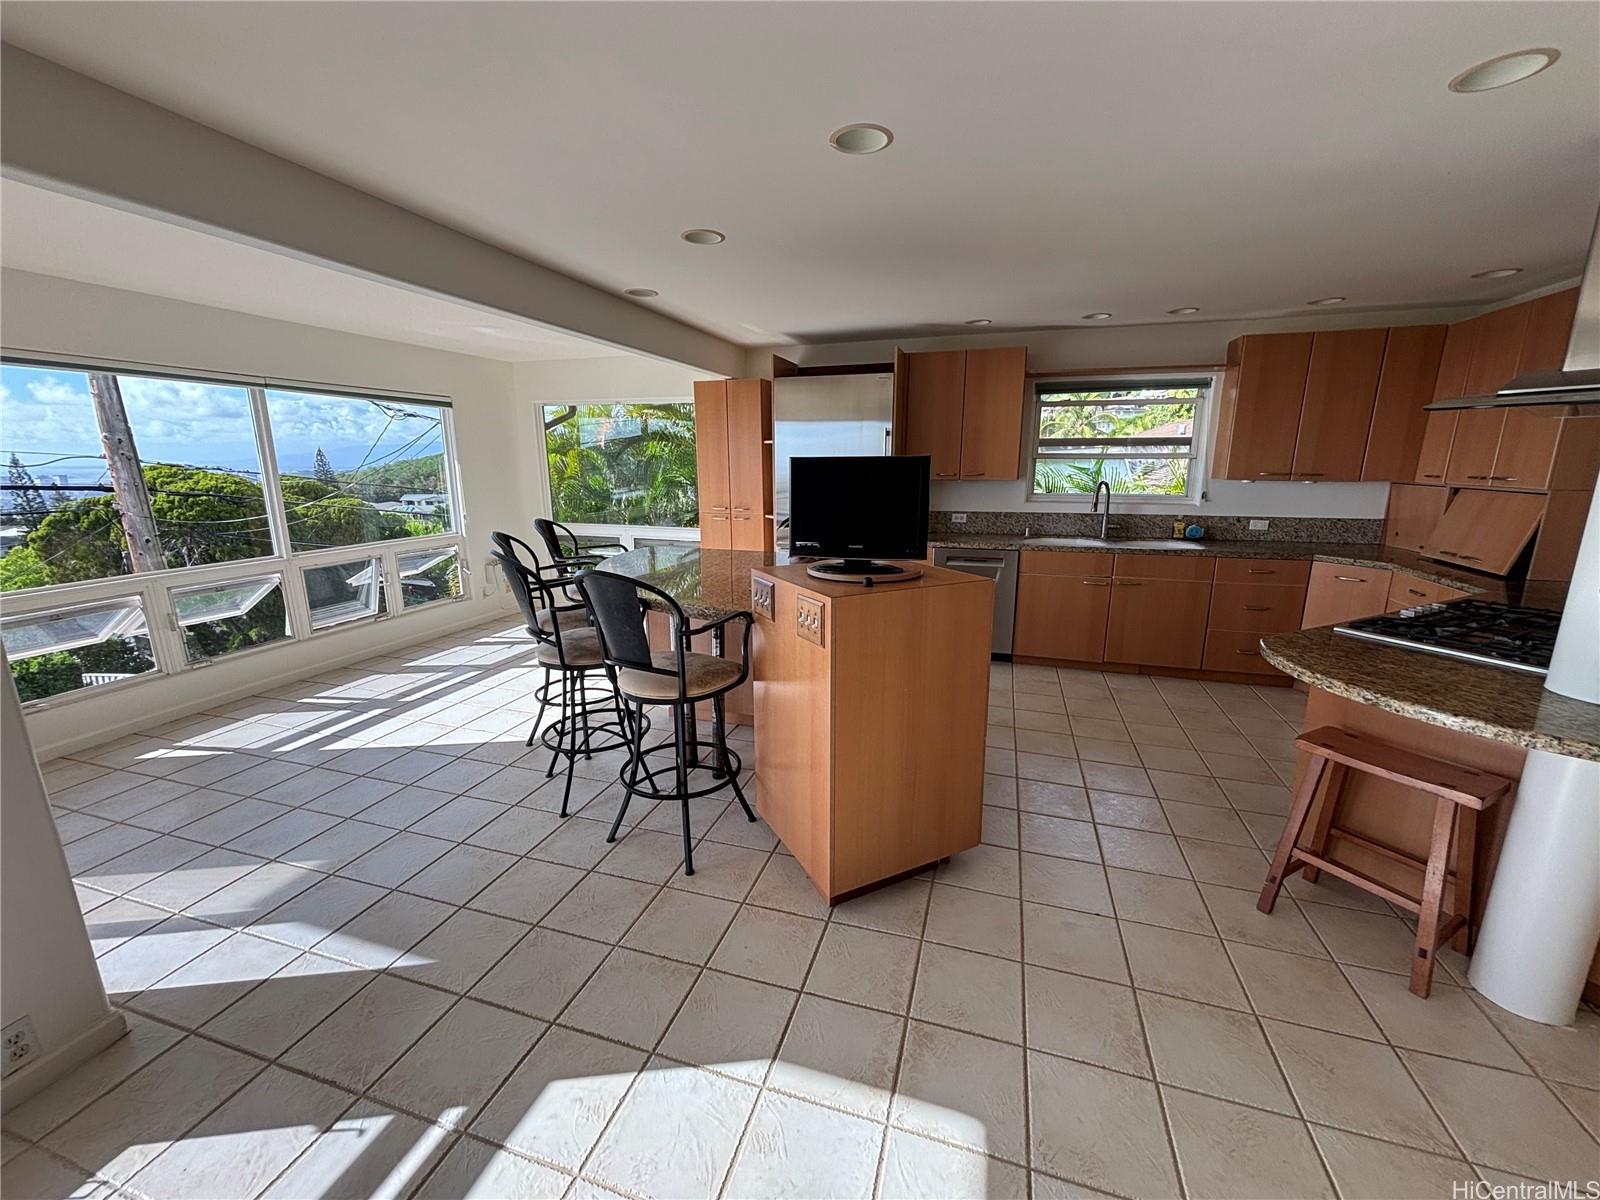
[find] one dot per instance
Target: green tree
(322, 470)
(22, 568)
(27, 501)
(628, 464)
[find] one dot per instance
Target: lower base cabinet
(1158, 622)
(1341, 593)
(1231, 651)
(1062, 616)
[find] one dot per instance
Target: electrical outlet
(958, 518)
(21, 1043)
(1258, 524)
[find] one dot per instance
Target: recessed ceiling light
(1505, 69)
(1498, 273)
(703, 237)
(1325, 301)
(1182, 312)
(979, 321)
(1097, 316)
(641, 293)
(860, 138)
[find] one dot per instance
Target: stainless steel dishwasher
(998, 565)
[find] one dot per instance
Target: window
(228, 514)
(219, 619)
(75, 648)
(622, 464)
(1135, 434)
(357, 470)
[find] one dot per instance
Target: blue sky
(45, 413)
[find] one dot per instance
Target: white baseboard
(30, 1081)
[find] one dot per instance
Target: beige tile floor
(360, 955)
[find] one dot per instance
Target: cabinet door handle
(1470, 557)
(717, 518)
(1414, 592)
(1312, 475)
(1477, 477)
(1272, 474)
(1255, 653)
(973, 474)
(1096, 583)
(944, 474)
(1506, 478)
(1432, 475)
(1258, 608)
(1128, 583)
(1260, 571)
(1349, 579)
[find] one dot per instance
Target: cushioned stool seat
(703, 674)
(582, 649)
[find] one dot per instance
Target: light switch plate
(1258, 524)
(761, 596)
(808, 619)
(958, 518)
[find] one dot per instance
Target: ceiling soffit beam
(66, 132)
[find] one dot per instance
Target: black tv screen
(859, 507)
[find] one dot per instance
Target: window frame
(1199, 479)
(154, 588)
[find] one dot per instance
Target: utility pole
(127, 480)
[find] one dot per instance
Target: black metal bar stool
(677, 678)
(592, 720)
(564, 547)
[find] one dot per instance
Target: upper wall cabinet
(733, 460)
(1411, 359)
(963, 408)
(1262, 391)
(1301, 406)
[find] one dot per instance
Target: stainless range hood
(1578, 381)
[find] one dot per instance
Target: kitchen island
(1540, 914)
(868, 704)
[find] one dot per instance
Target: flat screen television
(858, 509)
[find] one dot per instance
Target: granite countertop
(1356, 554)
(707, 584)
(1490, 702)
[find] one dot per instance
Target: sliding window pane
(1133, 476)
(75, 648)
(188, 493)
(359, 470)
(348, 591)
(218, 619)
(429, 575)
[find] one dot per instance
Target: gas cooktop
(1476, 630)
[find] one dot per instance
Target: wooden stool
(1460, 794)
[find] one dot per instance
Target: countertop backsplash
(1156, 525)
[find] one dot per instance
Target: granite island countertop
(1490, 702)
(707, 584)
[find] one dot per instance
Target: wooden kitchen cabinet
(1414, 509)
(1476, 442)
(1407, 591)
(1284, 572)
(1062, 616)
(1264, 387)
(1527, 447)
(963, 408)
(1159, 605)
(1544, 345)
(1255, 608)
(936, 381)
(711, 463)
(1157, 622)
(733, 463)
(1339, 592)
(1433, 456)
(1336, 411)
(1497, 339)
(1411, 358)
(1236, 653)
(991, 413)
(1485, 530)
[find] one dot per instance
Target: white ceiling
(59, 235)
(1050, 159)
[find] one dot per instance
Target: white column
(1542, 923)
(1575, 664)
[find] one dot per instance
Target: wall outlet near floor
(958, 518)
(21, 1043)
(1257, 524)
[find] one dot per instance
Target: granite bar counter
(708, 584)
(1485, 701)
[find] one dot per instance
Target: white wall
(49, 973)
(496, 444)
(1131, 347)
